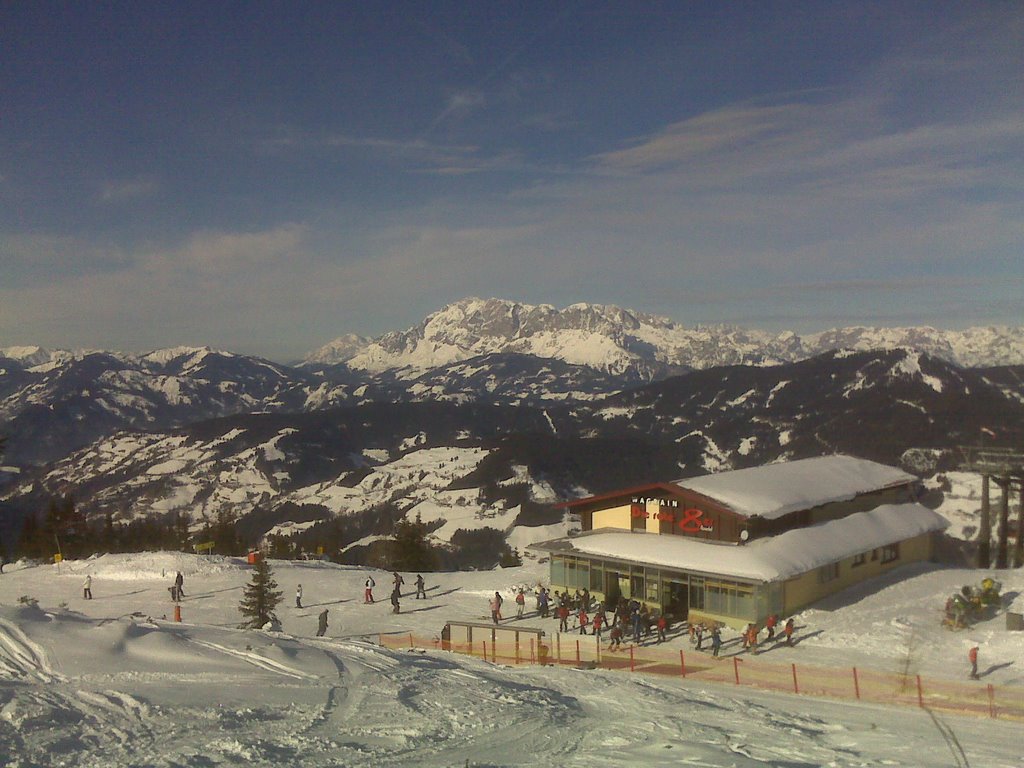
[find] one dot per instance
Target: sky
(264, 177)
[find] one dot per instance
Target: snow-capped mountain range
(618, 341)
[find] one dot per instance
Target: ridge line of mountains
(486, 414)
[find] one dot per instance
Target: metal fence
(1004, 702)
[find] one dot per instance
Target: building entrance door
(677, 600)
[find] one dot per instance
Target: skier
(698, 634)
(563, 616)
(662, 626)
(87, 587)
(716, 641)
(322, 623)
(752, 637)
(495, 606)
(179, 583)
(298, 596)
(615, 637)
(598, 623)
(972, 656)
(396, 593)
(542, 603)
(368, 593)
(520, 604)
(583, 619)
(420, 587)
(788, 631)
(399, 582)
(499, 600)
(769, 624)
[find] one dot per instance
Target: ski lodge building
(736, 546)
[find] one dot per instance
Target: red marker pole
(682, 662)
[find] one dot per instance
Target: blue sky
(263, 177)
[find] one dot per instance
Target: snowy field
(112, 682)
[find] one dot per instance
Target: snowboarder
(716, 641)
(495, 605)
(396, 593)
(972, 656)
(298, 596)
(322, 623)
(87, 587)
(368, 592)
(421, 585)
(179, 584)
(788, 631)
(520, 603)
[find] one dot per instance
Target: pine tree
(410, 550)
(261, 597)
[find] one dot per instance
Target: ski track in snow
(120, 693)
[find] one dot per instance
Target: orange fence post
(736, 669)
(177, 613)
(577, 653)
(410, 640)
(991, 701)
(920, 693)
(796, 687)
(517, 647)
(856, 684)
(682, 662)
(485, 650)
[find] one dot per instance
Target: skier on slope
(298, 596)
(368, 590)
(321, 623)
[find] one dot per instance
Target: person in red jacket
(769, 624)
(788, 631)
(662, 626)
(597, 624)
(563, 616)
(584, 620)
(972, 656)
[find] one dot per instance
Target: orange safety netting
(853, 683)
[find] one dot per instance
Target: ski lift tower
(1004, 467)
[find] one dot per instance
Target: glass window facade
(664, 588)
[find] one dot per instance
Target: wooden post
(410, 640)
(533, 656)
(485, 650)
(984, 526)
(856, 684)
(517, 647)
(991, 701)
(1018, 549)
(632, 661)
(796, 687)
(920, 693)
(682, 662)
(1004, 522)
(736, 669)
(558, 647)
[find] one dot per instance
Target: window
(860, 559)
(828, 573)
(890, 553)
(597, 577)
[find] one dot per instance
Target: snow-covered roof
(773, 558)
(775, 490)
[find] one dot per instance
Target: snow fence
(532, 646)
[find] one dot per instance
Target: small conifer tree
(261, 597)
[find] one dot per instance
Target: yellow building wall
(613, 517)
(806, 589)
